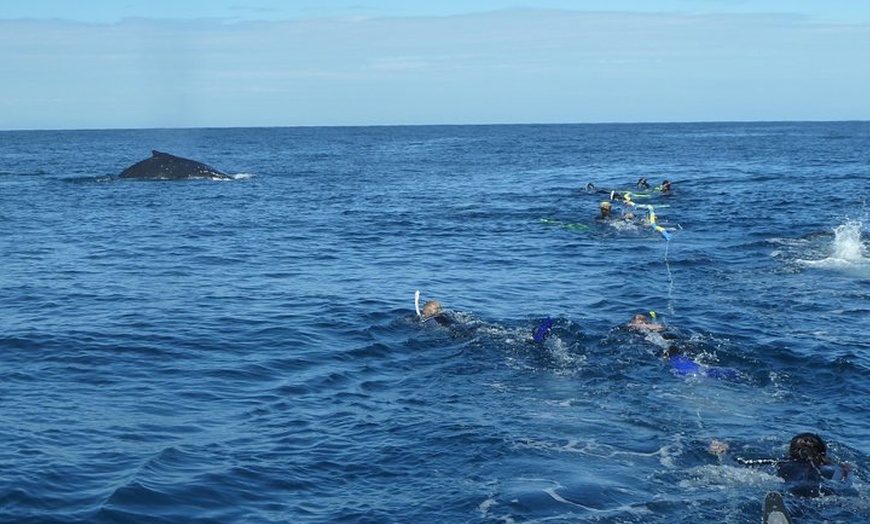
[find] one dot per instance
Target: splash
(847, 252)
(847, 244)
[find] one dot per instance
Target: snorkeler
(652, 331)
(642, 322)
(665, 188)
(432, 311)
(676, 349)
(605, 212)
(592, 188)
(642, 183)
(807, 471)
(808, 467)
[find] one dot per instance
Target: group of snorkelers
(806, 470)
(632, 211)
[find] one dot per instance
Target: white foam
(848, 253)
(847, 242)
(728, 477)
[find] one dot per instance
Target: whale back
(165, 166)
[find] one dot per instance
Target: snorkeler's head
(808, 447)
(431, 307)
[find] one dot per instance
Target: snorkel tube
(417, 303)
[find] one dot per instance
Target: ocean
(248, 351)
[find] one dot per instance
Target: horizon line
(482, 124)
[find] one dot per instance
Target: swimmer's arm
(840, 472)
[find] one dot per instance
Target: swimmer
(651, 331)
(593, 189)
(605, 212)
(432, 310)
(642, 322)
(665, 188)
(642, 183)
(808, 467)
(676, 349)
(807, 471)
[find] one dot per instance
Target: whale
(164, 166)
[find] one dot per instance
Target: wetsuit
(806, 479)
(443, 319)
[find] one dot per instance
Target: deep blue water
(247, 351)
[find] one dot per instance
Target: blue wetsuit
(685, 366)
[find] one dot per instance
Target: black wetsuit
(443, 319)
(805, 479)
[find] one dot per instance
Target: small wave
(98, 179)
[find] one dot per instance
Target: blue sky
(195, 63)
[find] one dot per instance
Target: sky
(238, 63)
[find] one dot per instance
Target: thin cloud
(501, 66)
